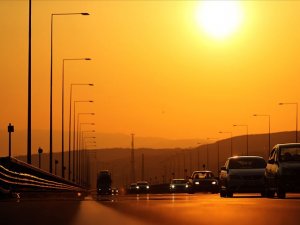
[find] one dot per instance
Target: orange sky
(156, 72)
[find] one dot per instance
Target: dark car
(203, 181)
(179, 185)
(283, 170)
(142, 187)
(104, 183)
(242, 174)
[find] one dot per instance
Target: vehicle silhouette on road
(179, 185)
(203, 181)
(104, 183)
(283, 170)
(242, 174)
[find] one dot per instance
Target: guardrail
(19, 177)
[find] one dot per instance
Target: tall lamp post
(74, 131)
(269, 116)
(62, 116)
(247, 142)
(296, 104)
(29, 91)
(70, 118)
(40, 151)
(51, 76)
(228, 132)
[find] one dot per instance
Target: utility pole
(143, 168)
(132, 159)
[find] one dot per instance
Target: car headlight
(137, 187)
(197, 182)
(214, 182)
(147, 187)
(172, 186)
(186, 186)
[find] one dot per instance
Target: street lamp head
(85, 14)
(254, 114)
(87, 59)
(280, 103)
(91, 101)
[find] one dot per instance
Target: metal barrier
(19, 177)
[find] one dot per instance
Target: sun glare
(220, 19)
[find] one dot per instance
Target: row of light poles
(70, 110)
(247, 134)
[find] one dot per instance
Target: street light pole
(296, 104)
(62, 116)
(269, 116)
(247, 143)
(29, 91)
(51, 78)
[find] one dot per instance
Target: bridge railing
(17, 176)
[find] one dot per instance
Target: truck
(104, 183)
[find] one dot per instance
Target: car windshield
(289, 154)
(247, 163)
(203, 175)
(179, 181)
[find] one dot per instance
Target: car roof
(287, 144)
(245, 156)
(202, 171)
(139, 182)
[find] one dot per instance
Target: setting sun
(220, 19)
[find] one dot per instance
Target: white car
(242, 174)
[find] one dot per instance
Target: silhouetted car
(104, 183)
(142, 187)
(179, 185)
(203, 181)
(283, 170)
(242, 174)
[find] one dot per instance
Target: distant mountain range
(40, 138)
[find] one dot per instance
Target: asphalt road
(171, 209)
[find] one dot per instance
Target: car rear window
(247, 163)
(289, 154)
(179, 181)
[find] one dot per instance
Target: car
(104, 183)
(179, 185)
(242, 174)
(142, 187)
(283, 170)
(203, 181)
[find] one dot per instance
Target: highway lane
(150, 209)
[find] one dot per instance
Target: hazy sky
(155, 69)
